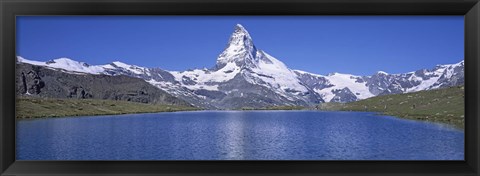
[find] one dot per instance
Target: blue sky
(358, 45)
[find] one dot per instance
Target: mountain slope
(38, 81)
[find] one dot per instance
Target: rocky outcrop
(32, 83)
(343, 95)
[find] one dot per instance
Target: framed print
(251, 87)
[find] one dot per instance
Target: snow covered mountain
(245, 76)
(339, 87)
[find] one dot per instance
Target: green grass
(48, 107)
(441, 105)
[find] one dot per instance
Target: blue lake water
(237, 135)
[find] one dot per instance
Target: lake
(237, 135)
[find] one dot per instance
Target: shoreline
(426, 106)
(445, 105)
(190, 109)
(193, 110)
(426, 119)
(95, 115)
(33, 108)
(414, 118)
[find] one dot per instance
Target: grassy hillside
(441, 105)
(48, 107)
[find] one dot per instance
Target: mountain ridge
(245, 76)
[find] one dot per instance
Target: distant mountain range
(245, 76)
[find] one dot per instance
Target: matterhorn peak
(240, 49)
(240, 30)
(240, 38)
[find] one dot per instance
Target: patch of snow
(341, 81)
(461, 63)
(132, 68)
(308, 73)
(448, 73)
(426, 84)
(66, 64)
(71, 65)
(204, 77)
(413, 77)
(382, 72)
(277, 74)
(108, 66)
(23, 60)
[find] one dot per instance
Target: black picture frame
(11, 8)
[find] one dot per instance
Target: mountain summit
(240, 49)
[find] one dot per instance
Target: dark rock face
(313, 82)
(343, 95)
(79, 93)
(32, 82)
(188, 81)
(24, 84)
(44, 82)
(452, 76)
(394, 88)
(377, 83)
